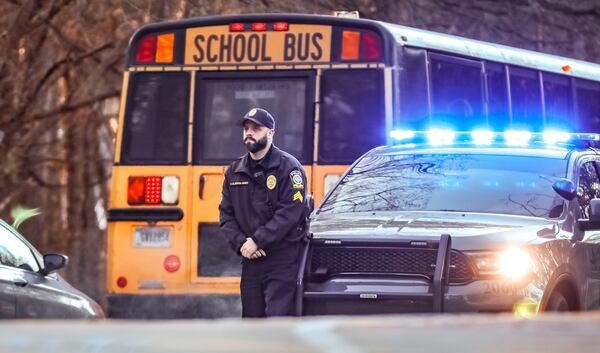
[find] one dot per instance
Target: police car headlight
(512, 263)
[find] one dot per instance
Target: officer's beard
(255, 146)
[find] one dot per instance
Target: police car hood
(468, 230)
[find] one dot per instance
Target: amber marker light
(350, 45)
(164, 48)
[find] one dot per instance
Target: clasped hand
(250, 250)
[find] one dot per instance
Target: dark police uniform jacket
(270, 206)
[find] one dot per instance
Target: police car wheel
(558, 302)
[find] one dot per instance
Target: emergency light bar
(439, 137)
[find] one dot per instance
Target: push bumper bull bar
(435, 295)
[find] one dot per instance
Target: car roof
(543, 151)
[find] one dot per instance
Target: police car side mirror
(565, 188)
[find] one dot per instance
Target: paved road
(578, 333)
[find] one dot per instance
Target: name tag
(239, 183)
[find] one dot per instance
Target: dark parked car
(30, 287)
(466, 227)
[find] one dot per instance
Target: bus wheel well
(567, 290)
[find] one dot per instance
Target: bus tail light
(259, 27)
(172, 263)
(146, 49)
(236, 27)
(153, 190)
(363, 45)
(371, 46)
(350, 45)
(280, 26)
(135, 190)
(164, 48)
(170, 190)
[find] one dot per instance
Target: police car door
(587, 258)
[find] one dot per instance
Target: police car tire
(558, 302)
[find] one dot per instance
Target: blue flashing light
(438, 137)
(552, 137)
(402, 134)
(482, 137)
(443, 137)
(586, 136)
(517, 137)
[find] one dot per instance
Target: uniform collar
(271, 161)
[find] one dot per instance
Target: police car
(459, 222)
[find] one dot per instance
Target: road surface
(572, 333)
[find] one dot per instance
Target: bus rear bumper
(173, 306)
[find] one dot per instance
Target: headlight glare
(514, 263)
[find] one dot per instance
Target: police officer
(263, 216)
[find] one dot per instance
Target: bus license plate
(152, 237)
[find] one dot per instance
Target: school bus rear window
(155, 130)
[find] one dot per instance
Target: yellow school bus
(336, 87)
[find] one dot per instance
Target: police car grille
(387, 261)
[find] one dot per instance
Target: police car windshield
(505, 184)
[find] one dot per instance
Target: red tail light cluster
(360, 46)
(146, 49)
(152, 190)
(156, 49)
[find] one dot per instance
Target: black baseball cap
(259, 116)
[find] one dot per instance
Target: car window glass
(516, 185)
(15, 253)
(588, 187)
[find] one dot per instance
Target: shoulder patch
(297, 180)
